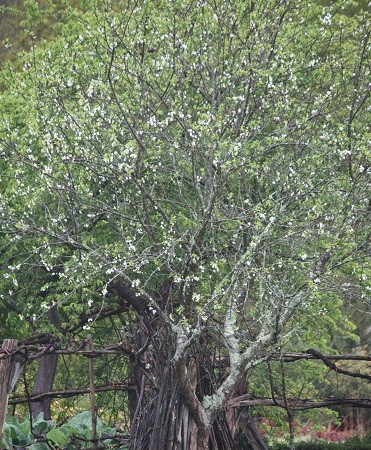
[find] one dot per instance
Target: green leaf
(39, 446)
(83, 420)
(41, 427)
(57, 436)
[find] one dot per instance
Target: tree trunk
(160, 416)
(163, 421)
(44, 382)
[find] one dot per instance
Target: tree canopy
(201, 169)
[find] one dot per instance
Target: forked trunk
(160, 416)
(163, 421)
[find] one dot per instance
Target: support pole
(93, 405)
(5, 371)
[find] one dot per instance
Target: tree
(200, 168)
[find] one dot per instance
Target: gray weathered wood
(44, 383)
(5, 372)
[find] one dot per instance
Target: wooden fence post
(5, 371)
(93, 405)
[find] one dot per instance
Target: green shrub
(75, 434)
(355, 443)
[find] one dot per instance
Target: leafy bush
(358, 444)
(75, 434)
(354, 443)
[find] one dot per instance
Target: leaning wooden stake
(93, 406)
(5, 372)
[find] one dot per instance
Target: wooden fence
(16, 355)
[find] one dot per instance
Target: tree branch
(333, 366)
(295, 404)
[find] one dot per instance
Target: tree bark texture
(43, 383)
